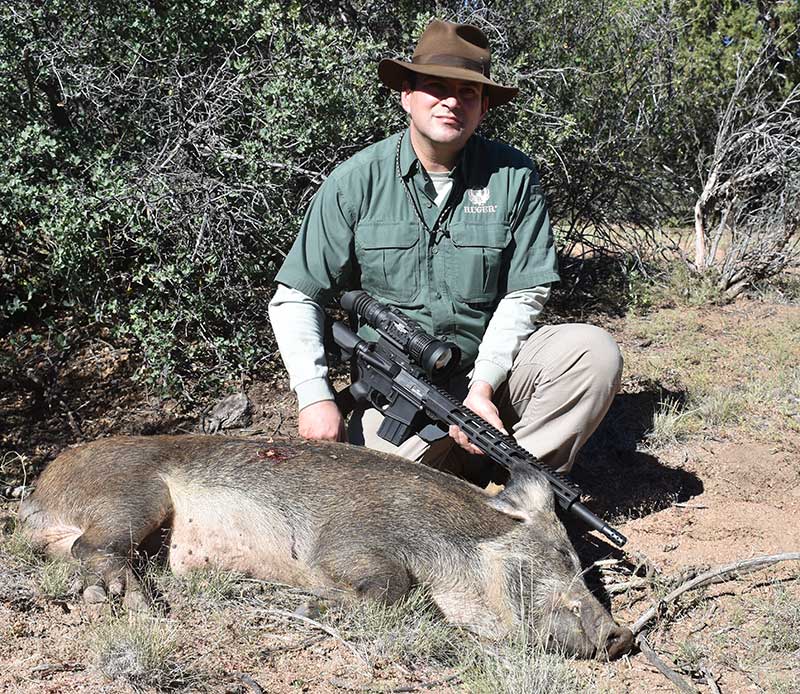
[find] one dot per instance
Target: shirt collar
(466, 161)
(409, 164)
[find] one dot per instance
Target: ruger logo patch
(479, 198)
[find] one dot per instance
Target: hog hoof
(94, 595)
(136, 601)
(77, 586)
(311, 609)
(116, 587)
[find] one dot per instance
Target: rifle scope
(437, 357)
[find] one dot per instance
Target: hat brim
(394, 72)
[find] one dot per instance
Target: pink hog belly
(218, 528)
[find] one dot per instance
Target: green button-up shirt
(492, 236)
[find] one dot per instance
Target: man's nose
(451, 100)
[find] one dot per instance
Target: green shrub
(158, 157)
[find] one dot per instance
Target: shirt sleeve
(513, 322)
(320, 261)
(298, 323)
(533, 254)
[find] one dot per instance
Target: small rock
(229, 413)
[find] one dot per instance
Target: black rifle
(397, 373)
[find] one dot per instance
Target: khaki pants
(559, 389)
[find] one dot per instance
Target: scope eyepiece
(436, 357)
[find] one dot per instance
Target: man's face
(445, 112)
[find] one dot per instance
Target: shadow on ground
(622, 481)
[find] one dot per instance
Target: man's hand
(479, 400)
(321, 421)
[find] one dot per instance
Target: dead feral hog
(338, 520)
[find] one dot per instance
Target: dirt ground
(721, 494)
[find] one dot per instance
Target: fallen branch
(662, 667)
(625, 586)
(710, 680)
(721, 574)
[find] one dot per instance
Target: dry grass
(139, 650)
(522, 666)
(13, 471)
(213, 585)
(55, 579)
(735, 375)
(17, 545)
(779, 616)
(410, 632)
(672, 424)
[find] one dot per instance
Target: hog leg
(364, 573)
(106, 548)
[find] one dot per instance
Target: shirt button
(438, 295)
(429, 205)
(434, 250)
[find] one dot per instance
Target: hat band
(447, 60)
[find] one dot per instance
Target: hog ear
(509, 509)
(526, 494)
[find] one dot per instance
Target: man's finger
(461, 439)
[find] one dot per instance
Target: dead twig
(251, 683)
(720, 574)
(305, 643)
(428, 685)
(625, 586)
(340, 684)
(662, 667)
(48, 669)
(710, 680)
(322, 627)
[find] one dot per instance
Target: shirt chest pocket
(476, 261)
(389, 256)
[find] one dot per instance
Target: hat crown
(446, 43)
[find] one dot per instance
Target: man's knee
(601, 352)
(570, 358)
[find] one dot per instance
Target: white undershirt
(442, 184)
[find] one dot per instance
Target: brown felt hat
(454, 51)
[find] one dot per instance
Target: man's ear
(405, 96)
(484, 105)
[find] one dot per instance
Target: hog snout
(618, 642)
(583, 628)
